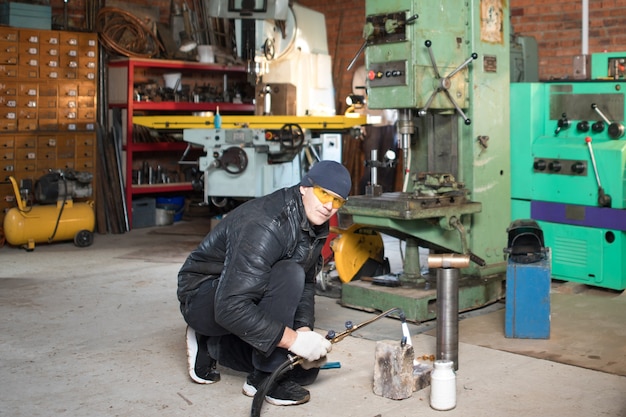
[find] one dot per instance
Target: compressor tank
(37, 224)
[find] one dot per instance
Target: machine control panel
(260, 139)
(385, 28)
(236, 136)
(403, 71)
(560, 166)
(387, 74)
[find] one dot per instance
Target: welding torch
(292, 361)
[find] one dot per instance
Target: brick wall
(557, 26)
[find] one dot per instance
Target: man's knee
(287, 277)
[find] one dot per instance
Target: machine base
(419, 302)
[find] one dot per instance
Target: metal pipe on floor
(448, 315)
(448, 304)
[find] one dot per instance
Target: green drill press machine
(444, 65)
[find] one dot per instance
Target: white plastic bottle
(443, 386)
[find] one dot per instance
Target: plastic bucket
(173, 203)
(164, 217)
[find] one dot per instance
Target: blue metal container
(528, 300)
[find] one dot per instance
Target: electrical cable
(123, 33)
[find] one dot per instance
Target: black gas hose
(292, 361)
(56, 225)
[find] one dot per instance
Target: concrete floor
(97, 332)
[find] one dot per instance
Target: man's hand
(306, 365)
(310, 345)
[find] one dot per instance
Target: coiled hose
(123, 33)
(292, 361)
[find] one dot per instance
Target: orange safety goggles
(325, 197)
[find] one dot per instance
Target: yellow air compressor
(55, 216)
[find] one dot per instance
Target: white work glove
(310, 345)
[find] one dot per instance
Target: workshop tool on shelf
(292, 361)
(122, 33)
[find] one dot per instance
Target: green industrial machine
(445, 66)
(568, 154)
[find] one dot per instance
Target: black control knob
(578, 167)
(540, 165)
(583, 126)
(616, 130)
(562, 124)
(554, 166)
(598, 126)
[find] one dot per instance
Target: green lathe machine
(444, 65)
(569, 152)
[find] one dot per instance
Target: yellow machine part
(37, 223)
(254, 122)
(353, 247)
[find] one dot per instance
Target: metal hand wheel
(291, 136)
(234, 160)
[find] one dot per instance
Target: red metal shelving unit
(123, 74)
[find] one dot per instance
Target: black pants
(281, 300)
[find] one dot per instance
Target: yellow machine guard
(353, 247)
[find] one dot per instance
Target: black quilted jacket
(240, 252)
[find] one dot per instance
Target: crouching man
(247, 291)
